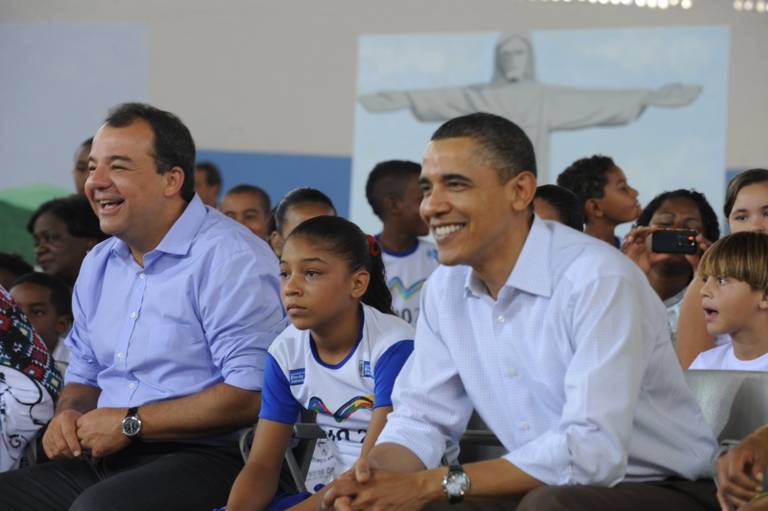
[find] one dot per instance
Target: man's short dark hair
(297, 197)
(566, 203)
(76, 213)
(587, 177)
(14, 263)
(709, 223)
(388, 179)
(174, 146)
(266, 202)
(212, 172)
(505, 145)
(61, 296)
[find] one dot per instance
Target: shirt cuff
(416, 439)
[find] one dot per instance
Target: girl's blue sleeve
(387, 368)
(277, 402)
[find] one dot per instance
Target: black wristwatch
(455, 484)
(131, 423)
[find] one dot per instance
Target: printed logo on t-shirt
(296, 376)
(396, 285)
(365, 369)
(345, 411)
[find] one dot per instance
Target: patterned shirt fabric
(29, 383)
(571, 367)
(202, 311)
(406, 274)
(343, 395)
(22, 349)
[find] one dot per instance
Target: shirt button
(525, 426)
(133, 315)
(141, 275)
(512, 372)
(501, 319)
(120, 354)
(132, 385)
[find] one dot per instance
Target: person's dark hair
(710, 224)
(345, 239)
(587, 177)
(76, 213)
(174, 146)
(266, 202)
(296, 197)
(14, 263)
(389, 179)
(746, 178)
(86, 143)
(61, 296)
(565, 202)
(212, 172)
(503, 143)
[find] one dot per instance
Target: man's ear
(521, 189)
(593, 209)
(174, 181)
(359, 283)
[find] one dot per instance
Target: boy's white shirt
(723, 358)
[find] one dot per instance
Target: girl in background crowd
(339, 358)
(295, 207)
(735, 302)
(746, 208)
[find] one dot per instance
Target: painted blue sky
(664, 149)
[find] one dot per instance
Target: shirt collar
(531, 271)
(179, 237)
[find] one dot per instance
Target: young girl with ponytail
(339, 358)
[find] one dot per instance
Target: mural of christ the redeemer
(538, 108)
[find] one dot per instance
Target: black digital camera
(674, 241)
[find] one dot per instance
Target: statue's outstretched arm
(384, 101)
(673, 95)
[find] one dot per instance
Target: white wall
(280, 76)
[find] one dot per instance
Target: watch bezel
(131, 424)
(455, 475)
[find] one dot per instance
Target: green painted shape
(31, 196)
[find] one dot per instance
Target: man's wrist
(431, 484)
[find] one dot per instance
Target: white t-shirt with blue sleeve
(343, 395)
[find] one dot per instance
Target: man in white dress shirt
(557, 341)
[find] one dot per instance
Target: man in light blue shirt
(173, 316)
(557, 341)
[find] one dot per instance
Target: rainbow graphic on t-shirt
(396, 285)
(345, 411)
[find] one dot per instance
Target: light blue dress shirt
(572, 368)
(203, 310)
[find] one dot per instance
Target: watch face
(131, 426)
(456, 483)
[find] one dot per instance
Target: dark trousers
(144, 476)
(671, 495)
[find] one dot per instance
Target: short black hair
(14, 263)
(76, 213)
(566, 203)
(587, 178)
(505, 145)
(298, 196)
(61, 296)
(387, 179)
(174, 146)
(746, 178)
(710, 224)
(266, 202)
(212, 172)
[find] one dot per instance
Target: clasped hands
(366, 487)
(98, 431)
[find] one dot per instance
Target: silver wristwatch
(455, 484)
(131, 423)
